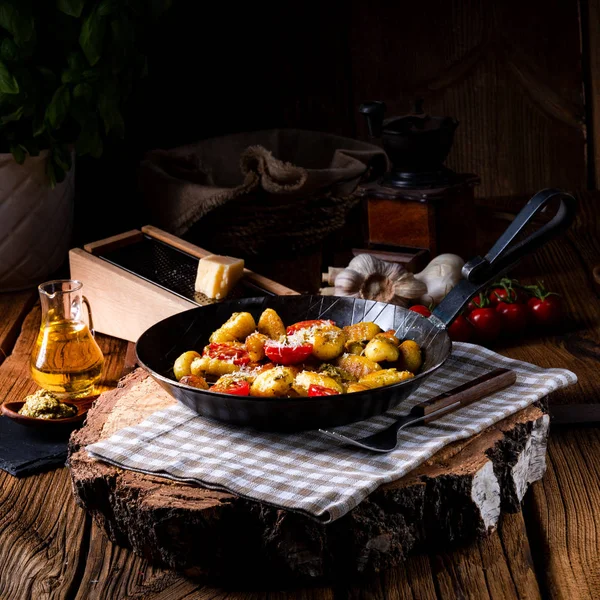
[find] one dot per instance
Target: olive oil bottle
(66, 359)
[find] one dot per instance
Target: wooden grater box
(137, 278)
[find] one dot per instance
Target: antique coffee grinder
(419, 203)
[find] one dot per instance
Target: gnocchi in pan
(305, 359)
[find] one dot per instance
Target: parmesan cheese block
(217, 275)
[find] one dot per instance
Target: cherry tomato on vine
(515, 317)
(508, 290)
(521, 295)
(480, 301)
(460, 330)
(421, 309)
(546, 311)
(486, 323)
(499, 294)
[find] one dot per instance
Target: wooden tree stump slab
(456, 496)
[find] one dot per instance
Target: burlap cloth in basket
(283, 189)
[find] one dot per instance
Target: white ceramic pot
(35, 222)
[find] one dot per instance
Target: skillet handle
(479, 272)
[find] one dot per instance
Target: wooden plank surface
(590, 29)
(107, 571)
(43, 536)
(563, 516)
(517, 94)
(561, 511)
(113, 573)
(43, 533)
(13, 309)
(497, 567)
(565, 265)
(49, 549)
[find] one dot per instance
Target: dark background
(521, 77)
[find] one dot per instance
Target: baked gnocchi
(309, 358)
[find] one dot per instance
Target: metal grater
(171, 269)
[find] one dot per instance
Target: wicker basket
(269, 191)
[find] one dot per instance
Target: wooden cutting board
(456, 496)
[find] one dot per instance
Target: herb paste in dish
(45, 405)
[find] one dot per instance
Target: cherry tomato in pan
(546, 311)
(227, 353)
(283, 354)
(422, 310)
(320, 390)
(486, 323)
(238, 388)
(460, 330)
(515, 317)
(306, 324)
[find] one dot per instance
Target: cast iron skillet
(159, 346)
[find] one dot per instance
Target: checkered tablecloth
(306, 471)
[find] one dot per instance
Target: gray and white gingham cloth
(305, 471)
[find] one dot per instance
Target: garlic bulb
(440, 276)
(375, 279)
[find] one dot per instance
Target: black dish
(162, 343)
(159, 346)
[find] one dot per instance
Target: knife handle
(465, 394)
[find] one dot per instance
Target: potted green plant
(67, 68)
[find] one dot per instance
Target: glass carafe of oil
(66, 359)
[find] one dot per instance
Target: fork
(430, 410)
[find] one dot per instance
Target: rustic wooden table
(50, 548)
